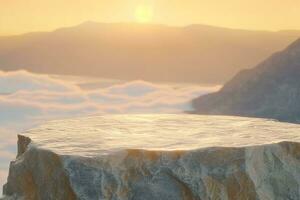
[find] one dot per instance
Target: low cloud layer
(27, 99)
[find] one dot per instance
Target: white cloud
(30, 98)
(133, 89)
(21, 80)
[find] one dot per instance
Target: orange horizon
(142, 24)
(18, 17)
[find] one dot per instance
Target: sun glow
(144, 13)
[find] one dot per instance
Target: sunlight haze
(144, 13)
(149, 99)
(18, 16)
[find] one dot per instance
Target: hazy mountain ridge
(271, 90)
(142, 51)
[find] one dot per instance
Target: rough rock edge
(254, 173)
(22, 183)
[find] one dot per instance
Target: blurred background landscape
(77, 58)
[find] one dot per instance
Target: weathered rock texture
(271, 90)
(266, 172)
(37, 174)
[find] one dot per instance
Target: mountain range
(129, 51)
(270, 90)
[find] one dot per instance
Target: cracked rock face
(257, 171)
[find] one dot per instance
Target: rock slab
(263, 172)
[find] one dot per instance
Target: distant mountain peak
(89, 23)
(295, 45)
(151, 52)
(270, 90)
(95, 23)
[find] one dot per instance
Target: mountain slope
(271, 90)
(195, 53)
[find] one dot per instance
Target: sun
(144, 13)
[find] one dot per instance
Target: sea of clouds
(28, 99)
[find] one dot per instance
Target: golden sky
(19, 16)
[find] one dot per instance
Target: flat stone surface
(139, 157)
(100, 135)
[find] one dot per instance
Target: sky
(21, 16)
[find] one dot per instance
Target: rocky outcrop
(265, 172)
(271, 90)
(37, 174)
